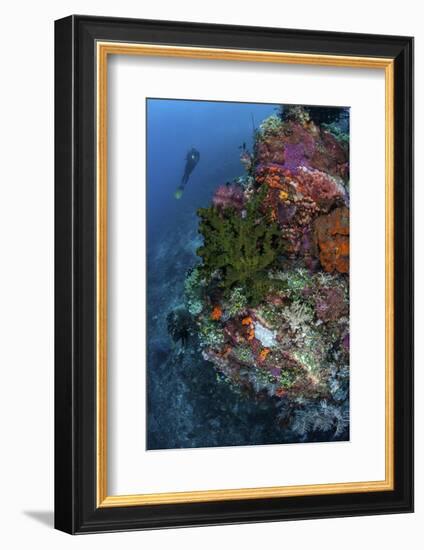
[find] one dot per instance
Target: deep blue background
(216, 130)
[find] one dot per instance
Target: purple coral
(331, 304)
(229, 196)
(294, 156)
(346, 343)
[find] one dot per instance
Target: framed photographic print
(234, 274)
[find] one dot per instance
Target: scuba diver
(192, 159)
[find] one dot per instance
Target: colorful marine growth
(270, 295)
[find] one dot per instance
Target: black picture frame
(76, 509)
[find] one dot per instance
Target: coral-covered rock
(271, 175)
(320, 187)
(295, 156)
(229, 196)
(331, 156)
(270, 151)
(286, 212)
(274, 257)
(300, 142)
(296, 141)
(331, 304)
(332, 238)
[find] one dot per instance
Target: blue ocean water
(216, 130)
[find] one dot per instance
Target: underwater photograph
(247, 273)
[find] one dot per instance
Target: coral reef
(331, 233)
(270, 297)
(228, 196)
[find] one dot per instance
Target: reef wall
(268, 304)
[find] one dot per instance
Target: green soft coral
(242, 248)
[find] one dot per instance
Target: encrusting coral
(270, 297)
(228, 196)
(332, 237)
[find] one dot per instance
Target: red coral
(270, 150)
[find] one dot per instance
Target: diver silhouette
(192, 159)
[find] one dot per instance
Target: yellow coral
(264, 353)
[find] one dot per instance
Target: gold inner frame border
(103, 50)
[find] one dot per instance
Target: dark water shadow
(46, 517)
